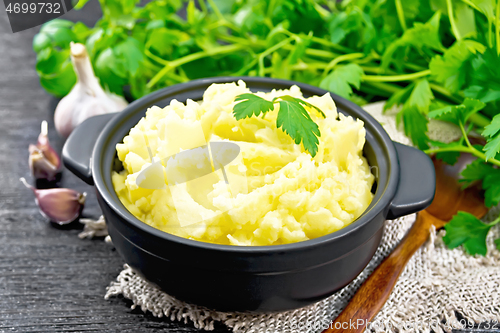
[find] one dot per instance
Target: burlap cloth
(437, 283)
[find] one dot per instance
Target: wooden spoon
(374, 292)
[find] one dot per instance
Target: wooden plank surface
(51, 281)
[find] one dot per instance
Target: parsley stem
(154, 57)
(311, 65)
(497, 27)
(323, 42)
(414, 67)
(203, 6)
(390, 88)
(249, 42)
(401, 14)
(479, 120)
(271, 50)
(490, 33)
(445, 92)
(395, 78)
(344, 57)
(334, 46)
(466, 137)
(473, 149)
(463, 149)
(270, 8)
(192, 57)
(494, 222)
(216, 10)
(451, 17)
(473, 5)
(321, 53)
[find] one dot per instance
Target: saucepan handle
(417, 182)
(77, 151)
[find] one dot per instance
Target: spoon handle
(376, 289)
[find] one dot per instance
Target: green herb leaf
(466, 229)
(489, 176)
(475, 171)
(400, 97)
(458, 114)
(449, 157)
(497, 243)
(251, 105)
(81, 4)
(55, 71)
(492, 133)
(419, 36)
(451, 69)
(421, 96)
(415, 126)
(131, 53)
(340, 80)
(484, 84)
(294, 120)
(491, 185)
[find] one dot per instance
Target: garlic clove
(86, 98)
(60, 205)
(44, 145)
(40, 166)
(44, 162)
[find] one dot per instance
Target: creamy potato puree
(283, 195)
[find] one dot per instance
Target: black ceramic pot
(260, 278)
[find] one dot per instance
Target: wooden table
(50, 280)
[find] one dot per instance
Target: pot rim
(371, 125)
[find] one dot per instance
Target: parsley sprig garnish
(293, 118)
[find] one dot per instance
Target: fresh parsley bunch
(431, 58)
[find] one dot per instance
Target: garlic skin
(87, 98)
(44, 162)
(94, 228)
(60, 205)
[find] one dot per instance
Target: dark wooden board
(50, 281)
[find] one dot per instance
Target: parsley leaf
(419, 36)
(458, 114)
(484, 83)
(492, 133)
(251, 105)
(474, 171)
(478, 170)
(415, 126)
(466, 229)
(294, 120)
(451, 69)
(340, 80)
(416, 99)
(421, 96)
(497, 243)
(448, 157)
(399, 97)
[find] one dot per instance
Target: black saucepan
(244, 278)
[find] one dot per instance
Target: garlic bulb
(60, 205)
(87, 98)
(44, 163)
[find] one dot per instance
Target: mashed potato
(278, 193)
